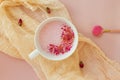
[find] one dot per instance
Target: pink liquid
(50, 34)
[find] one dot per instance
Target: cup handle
(33, 54)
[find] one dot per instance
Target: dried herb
(20, 22)
(48, 10)
(81, 64)
(66, 44)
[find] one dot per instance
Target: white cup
(40, 51)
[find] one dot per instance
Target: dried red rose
(20, 22)
(81, 64)
(67, 33)
(48, 10)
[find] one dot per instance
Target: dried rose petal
(51, 48)
(67, 48)
(56, 50)
(61, 46)
(66, 44)
(67, 33)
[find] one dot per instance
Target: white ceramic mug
(39, 50)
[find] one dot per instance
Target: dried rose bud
(81, 64)
(53, 49)
(48, 10)
(20, 22)
(67, 33)
(61, 48)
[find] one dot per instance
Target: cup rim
(43, 53)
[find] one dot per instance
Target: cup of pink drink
(56, 38)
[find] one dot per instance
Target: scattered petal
(66, 44)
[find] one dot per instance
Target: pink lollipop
(98, 30)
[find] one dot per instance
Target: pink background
(85, 14)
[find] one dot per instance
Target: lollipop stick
(106, 30)
(111, 31)
(115, 31)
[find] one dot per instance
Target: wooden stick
(111, 31)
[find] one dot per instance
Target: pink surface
(85, 14)
(14, 69)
